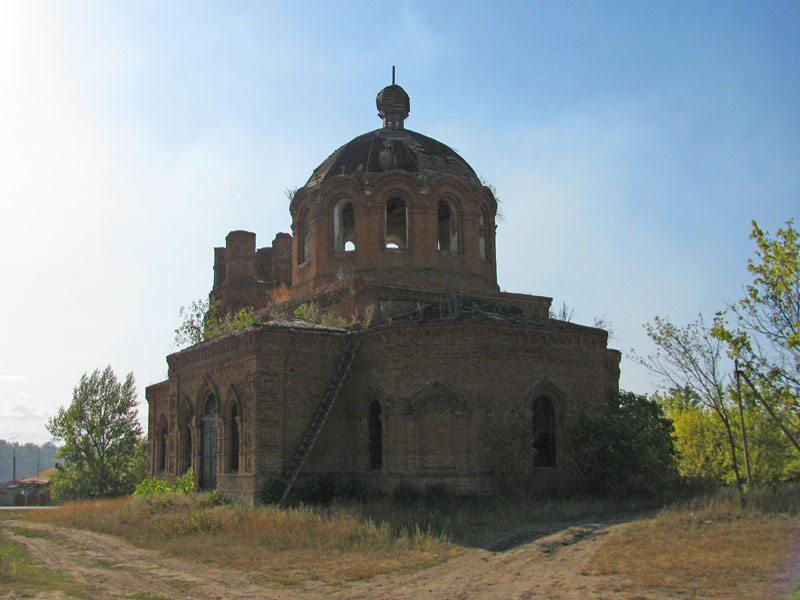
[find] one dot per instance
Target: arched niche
(447, 225)
(396, 223)
(439, 412)
(344, 225)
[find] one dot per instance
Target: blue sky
(631, 144)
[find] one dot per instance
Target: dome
(388, 149)
(393, 148)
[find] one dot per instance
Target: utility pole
(14, 464)
(38, 469)
(741, 420)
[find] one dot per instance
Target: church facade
(394, 234)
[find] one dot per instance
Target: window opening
(162, 449)
(396, 229)
(233, 450)
(208, 464)
(344, 232)
(187, 448)
(304, 238)
(544, 432)
(448, 227)
(483, 237)
(375, 441)
(185, 439)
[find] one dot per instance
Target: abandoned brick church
(395, 233)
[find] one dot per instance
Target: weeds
(709, 544)
(331, 543)
(19, 574)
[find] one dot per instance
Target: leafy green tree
(700, 440)
(702, 444)
(765, 337)
(103, 446)
(627, 450)
(693, 364)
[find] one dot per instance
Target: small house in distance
(394, 233)
(29, 491)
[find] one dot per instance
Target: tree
(627, 450)
(703, 447)
(100, 432)
(765, 337)
(691, 362)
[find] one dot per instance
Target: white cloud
(21, 411)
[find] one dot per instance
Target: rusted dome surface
(387, 149)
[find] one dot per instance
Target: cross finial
(393, 104)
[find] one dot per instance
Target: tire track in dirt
(548, 567)
(531, 564)
(108, 567)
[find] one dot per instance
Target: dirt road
(547, 567)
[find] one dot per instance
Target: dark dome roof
(390, 149)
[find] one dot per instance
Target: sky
(630, 144)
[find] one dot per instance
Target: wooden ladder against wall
(318, 422)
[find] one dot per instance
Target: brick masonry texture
(411, 409)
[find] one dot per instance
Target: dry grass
(480, 522)
(285, 546)
(708, 548)
(20, 575)
(278, 295)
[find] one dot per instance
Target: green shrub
(151, 487)
(185, 483)
(627, 451)
(148, 488)
(506, 448)
(213, 498)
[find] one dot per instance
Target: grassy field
(20, 574)
(710, 544)
(287, 546)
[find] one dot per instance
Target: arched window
(162, 448)
(375, 436)
(544, 432)
(484, 238)
(448, 227)
(185, 438)
(233, 439)
(187, 447)
(344, 229)
(303, 237)
(208, 450)
(396, 224)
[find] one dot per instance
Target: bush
(627, 451)
(185, 483)
(506, 447)
(151, 487)
(272, 491)
(214, 498)
(406, 495)
(148, 488)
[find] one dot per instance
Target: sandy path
(107, 567)
(548, 566)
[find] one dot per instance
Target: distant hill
(26, 459)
